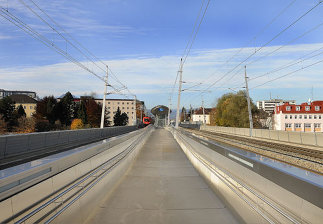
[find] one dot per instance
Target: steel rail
(252, 191)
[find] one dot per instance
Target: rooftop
(21, 98)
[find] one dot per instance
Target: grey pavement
(162, 187)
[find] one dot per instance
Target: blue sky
(142, 42)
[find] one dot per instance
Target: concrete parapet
(306, 138)
(13, 145)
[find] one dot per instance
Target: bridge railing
(20, 144)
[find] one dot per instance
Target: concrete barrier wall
(81, 210)
(315, 138)
(12, 145)
(208, 160)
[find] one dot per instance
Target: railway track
(307, 158)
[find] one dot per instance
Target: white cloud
(155, 75)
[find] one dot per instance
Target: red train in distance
(146, 120)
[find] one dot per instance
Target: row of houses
(132, 108)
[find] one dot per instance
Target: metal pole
(204, 121)
(168, 122)
(179, 93)
(104, 97)
(141, 108)
(135, 114)
(248, 101)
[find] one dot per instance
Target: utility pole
(204, 121)
(104, 97)
(135, 114)
(248, 100)
(179, 93)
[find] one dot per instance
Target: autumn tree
(213, 117)
(93, 111)
(232, 110)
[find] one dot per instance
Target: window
(315, 116)
(290, 116)
(307, 125)
(132, 108)
(128, 108)
(295, 116)
(122, 102)
(286, 117)
(118, 102)
(298, 108)
(122, 108)
(25, 107)
(305, 116)
(317, 108)
(108, 102)
(31, 107)
(307, 108)
(288, 108)
(309, 116)
(108, 107)
(298, 125)
(317, 125)
(288, 125)
(320, 117)
(300, 116)
(132, 112)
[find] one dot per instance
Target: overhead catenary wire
(268, 42)
(17, 22)
(282, 76)
(87, 54)
(264, 45)
(255, 36)
(78, 43)
(190, 42)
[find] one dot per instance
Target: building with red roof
(307, 117)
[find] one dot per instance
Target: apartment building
(269, 105)
(28, 103)
(134, 109)
(307, 117)
(5, 93)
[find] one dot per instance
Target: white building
(269, 105)
(128, 106)
(307, 117)
(197, 116)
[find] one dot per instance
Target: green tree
(47, 109)
(21, 111)
(120, 119)
(7, 110)
(66, 109)
(81, 112)
(232, 110)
